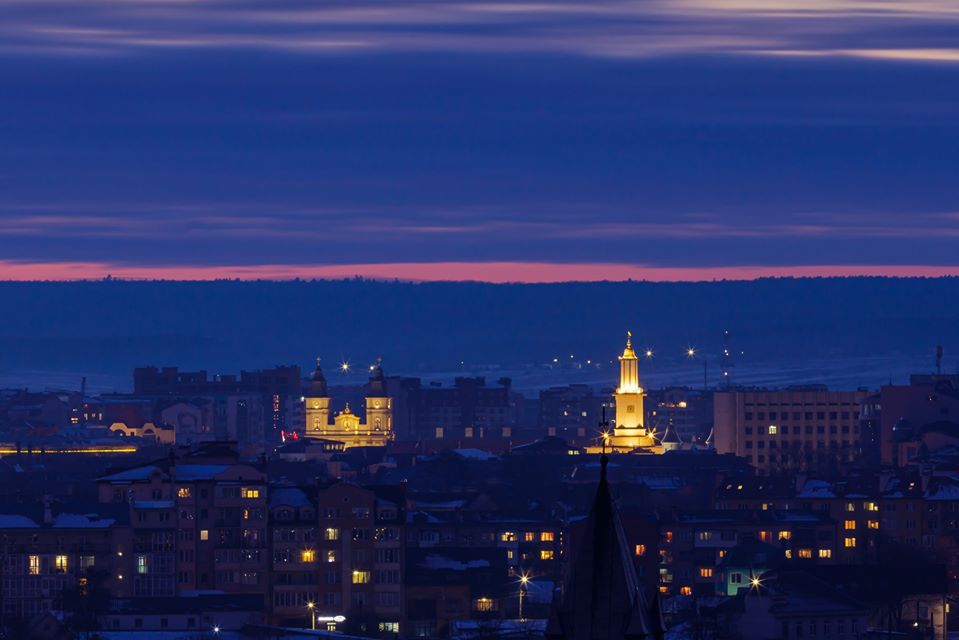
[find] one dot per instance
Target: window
(34, 565)
(773, 430)
(849, 525)
(685, 591)
(849, 543)
(546, 554)
(307, 555)
(705, 572)
(736, 578)
(361, 577)
(331, 556)
(87, 562)
(483, 604)
(529, 536)
(785, 535)
(249, 494)
(61, 564)
(142, 565)
(850, 507)
(546, 536)
(805, 553)
(184, 492)
(204, 534)
(508, 536)
(640, 550)
(872, 524)
(825, 553)
(392, 627)
(331, 534)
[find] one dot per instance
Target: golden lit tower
(630, 431)
(629, 395)
(379, 410)
(317, 402)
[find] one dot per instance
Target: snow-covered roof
(14, 521)
(132, 475)
(194, 472)
(81, 521)
(436, 561)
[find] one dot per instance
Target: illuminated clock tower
(630, 431)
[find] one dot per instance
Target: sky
(478, 139)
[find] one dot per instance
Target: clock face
(376, 404)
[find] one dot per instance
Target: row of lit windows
(529, 536)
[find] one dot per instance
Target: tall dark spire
(603, 598)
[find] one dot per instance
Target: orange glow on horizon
(495, 272)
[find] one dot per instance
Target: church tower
(317, 402)
(379, 408)
(630, 431)
(629, 395)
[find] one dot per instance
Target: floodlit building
(347, 427)
(630, 431)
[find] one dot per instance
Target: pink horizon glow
(494, 272)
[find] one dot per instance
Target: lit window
(250, 494)
(508, 536)
(640, 550)
(331, 556)
(361, 577)
(392, 627)
(773, 429)
(849, 525)
(529, 536)
(204, 534)
(663, 588)
(785, 535)
(331, 534)
(34, 565)
(61, 564)
(546, 554)
(850, 507)
(789, 553)
(825, 553)
(765, 536)
(307, 555)
(546, 536)
(669, 536)
(705, 572)
(722, 553)
(685, 591)
(483, 604)
(805, 553)
(142, 566)
(849, 543)
(509, 554)
(870, 506)
(872, 524)
(184, 492)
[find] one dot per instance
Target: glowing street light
(649, 353)
(523, 587)
(310, 606)
(216, 631)
(690, 352)
(345, 366)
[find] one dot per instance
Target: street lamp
(310, 606)
(523, 587)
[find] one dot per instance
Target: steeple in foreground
(603, 599)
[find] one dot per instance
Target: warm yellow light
(524, 579)
(649, 353)
(755, 582)
(690, 352)
(345, 367)
(309, 605)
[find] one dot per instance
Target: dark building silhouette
(603, 597)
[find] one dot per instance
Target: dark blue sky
(683, 137)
